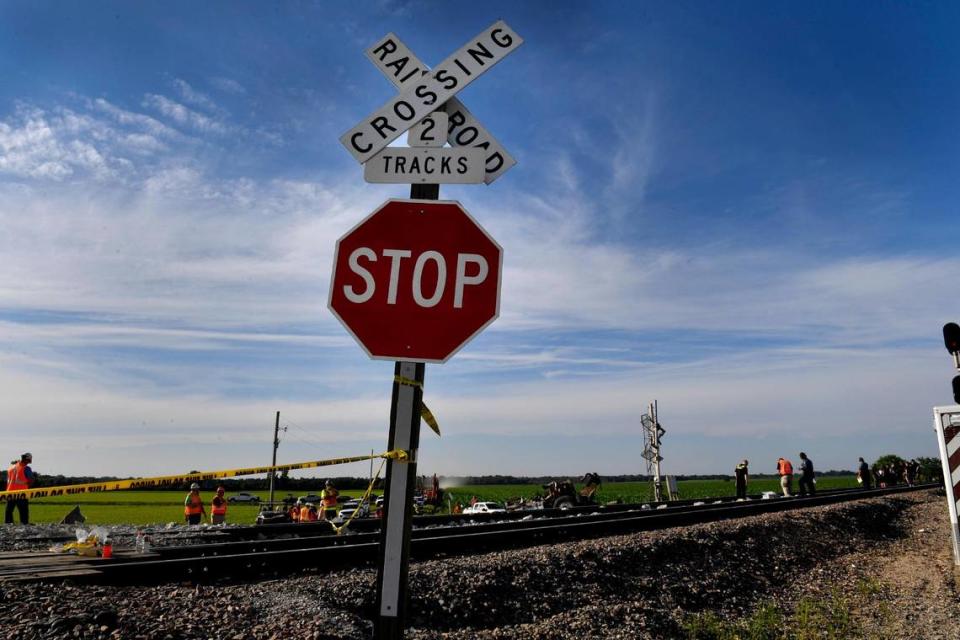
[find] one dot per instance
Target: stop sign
(416, 280)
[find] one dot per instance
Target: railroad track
(273, 550)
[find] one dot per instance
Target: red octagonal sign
(416, 280)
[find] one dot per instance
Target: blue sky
(745, 210)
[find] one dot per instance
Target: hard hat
(194, 486)
(329, 483)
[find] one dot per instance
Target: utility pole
(276, 443)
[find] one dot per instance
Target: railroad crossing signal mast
(652, 433)
(418, 279)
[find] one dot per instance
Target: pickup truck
(484, 507)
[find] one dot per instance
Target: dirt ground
(906, 587)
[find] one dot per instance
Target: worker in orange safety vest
(785, 469)
(294, 511)
(328, 499)
(19, 478)
(193, 509)
(304, 513)
(218, 508)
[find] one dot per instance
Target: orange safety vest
(312, 515)
(329, 498)
(304, 514)
(294, 514)
(193, 505)
(219, 509)
(785, 468)
(17, 477)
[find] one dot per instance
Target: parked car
(243, 496)
(310, 498)
(350, 507)
(484, 507)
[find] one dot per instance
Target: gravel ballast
(644, 585)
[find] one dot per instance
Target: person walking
(20, 477)
(785, 469)
(807, 482)
(328, 500)
(913, 471)
(218, 508)
(742, 474)
(193, 510)
(863, 475)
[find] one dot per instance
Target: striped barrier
(946, 422)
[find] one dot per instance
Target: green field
(143, 507)
(160, 507)
(642, 491)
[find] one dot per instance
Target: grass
(159, 507)
(810, 619)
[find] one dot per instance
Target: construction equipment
(563, 495)
(428, 499)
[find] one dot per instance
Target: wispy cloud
(185, 116)
(55, 146)
(194, 97)
(228, 85)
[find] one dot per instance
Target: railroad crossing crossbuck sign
(399, 64)
(423, 92)
(416, 280)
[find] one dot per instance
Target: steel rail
(277, 556)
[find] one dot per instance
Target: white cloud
(185, 116)
(228, 85)
(38, 144)
(140, 121)
(194, 97)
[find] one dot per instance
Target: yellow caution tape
(425, 413)
(409, 382)
(166, 481)
(429, 419)
(364, 499)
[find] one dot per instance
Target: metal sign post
(398, 499)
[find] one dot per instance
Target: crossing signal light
(951, 337)
(956, 389)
